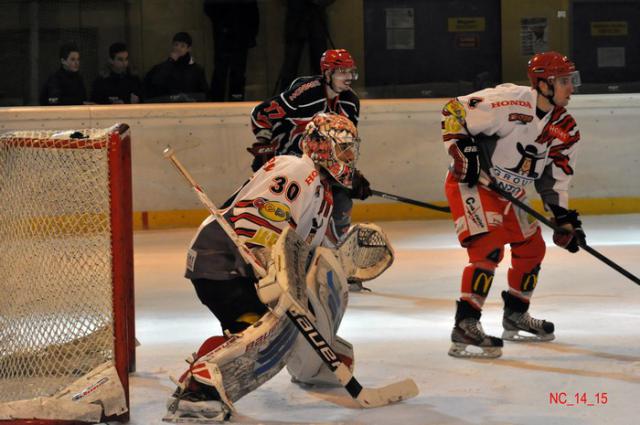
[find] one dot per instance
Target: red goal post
(67, 334)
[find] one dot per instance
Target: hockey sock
(476, 282)
(525, 266)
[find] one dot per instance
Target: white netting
(365, 252)
(56, 312)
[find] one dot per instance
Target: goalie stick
(398, 198)
(366, 397)
(491, 184)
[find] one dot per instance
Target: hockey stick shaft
(518, 203)
(410, 201)
(491, 184)
(245, 252)
(366, 397)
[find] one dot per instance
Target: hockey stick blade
(392, 393)
(409, 201)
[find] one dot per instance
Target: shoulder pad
(302, 87)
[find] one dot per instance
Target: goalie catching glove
(574, 237)
(466, 163)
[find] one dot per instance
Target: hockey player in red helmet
(513, 135)
(555, 71)
(339, 70)
(278, 123)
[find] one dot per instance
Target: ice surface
(402, 329)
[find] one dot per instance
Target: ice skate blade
(460, 351)
(203, 412)
(177, 419)
(526, 337)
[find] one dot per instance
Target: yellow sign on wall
(466, 24)
(609, 28)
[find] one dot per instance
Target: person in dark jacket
(65, 86)
(179, 78)
(235, 27)
(305, 23)
(116, 85)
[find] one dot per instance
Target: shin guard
(525, 265)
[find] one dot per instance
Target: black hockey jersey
(284, 117)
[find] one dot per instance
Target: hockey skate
(198, 404)
(468, 333)
(519, 325)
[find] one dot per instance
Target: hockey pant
(485, 222)
(234, 302)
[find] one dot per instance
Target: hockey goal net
(66, 275)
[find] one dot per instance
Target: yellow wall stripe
(383, 212)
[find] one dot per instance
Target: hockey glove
(568, 219)
(262, 150)
(466, 163)
(360, 186)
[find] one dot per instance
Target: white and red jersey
(522, 147)
(286, 191)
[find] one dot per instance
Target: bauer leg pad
(327, 294)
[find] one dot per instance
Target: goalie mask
(332, 142)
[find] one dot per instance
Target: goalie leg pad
(233, 368)
(310, 373)
(327, 291)
(250, 358)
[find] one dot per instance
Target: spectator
(65, 86)
(235, 27)
(179, 78)
(306, 22)
(116, 85)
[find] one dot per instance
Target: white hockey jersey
(522, 147)
(286, 191)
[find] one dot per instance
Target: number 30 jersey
(286, 191)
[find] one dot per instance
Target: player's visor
(573, 79)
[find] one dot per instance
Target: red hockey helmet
(549, 65)
(336, 59)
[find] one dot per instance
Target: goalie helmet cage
(66, 262)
